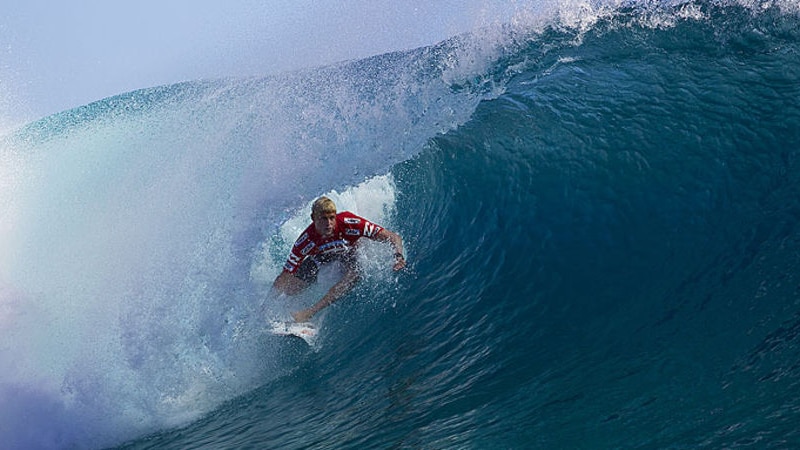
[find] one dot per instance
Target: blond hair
(322, 205)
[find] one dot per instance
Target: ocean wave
(600, 206)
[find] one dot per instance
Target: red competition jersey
(349, 228)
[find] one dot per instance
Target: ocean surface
(601, 209)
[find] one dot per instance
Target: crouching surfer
(330, 237)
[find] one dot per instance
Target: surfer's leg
(288, 284)
(293, 284)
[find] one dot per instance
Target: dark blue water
(602, 221)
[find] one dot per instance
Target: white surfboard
(304, 330)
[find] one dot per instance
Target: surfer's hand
(399, 262)
(302, 316)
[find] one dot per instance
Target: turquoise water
(601, 209)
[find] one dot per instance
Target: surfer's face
(325, 223)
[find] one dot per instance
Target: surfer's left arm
(344, 285)
(397, 242)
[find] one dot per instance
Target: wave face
(601, 207)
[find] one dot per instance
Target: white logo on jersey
(351, 220)
(293, 259)
(307, 248)
(301, 239)
(334, 246)
(369, 229)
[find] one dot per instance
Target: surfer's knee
(288, 284)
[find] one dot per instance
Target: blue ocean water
(601, 209)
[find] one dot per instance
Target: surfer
(330, 237)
